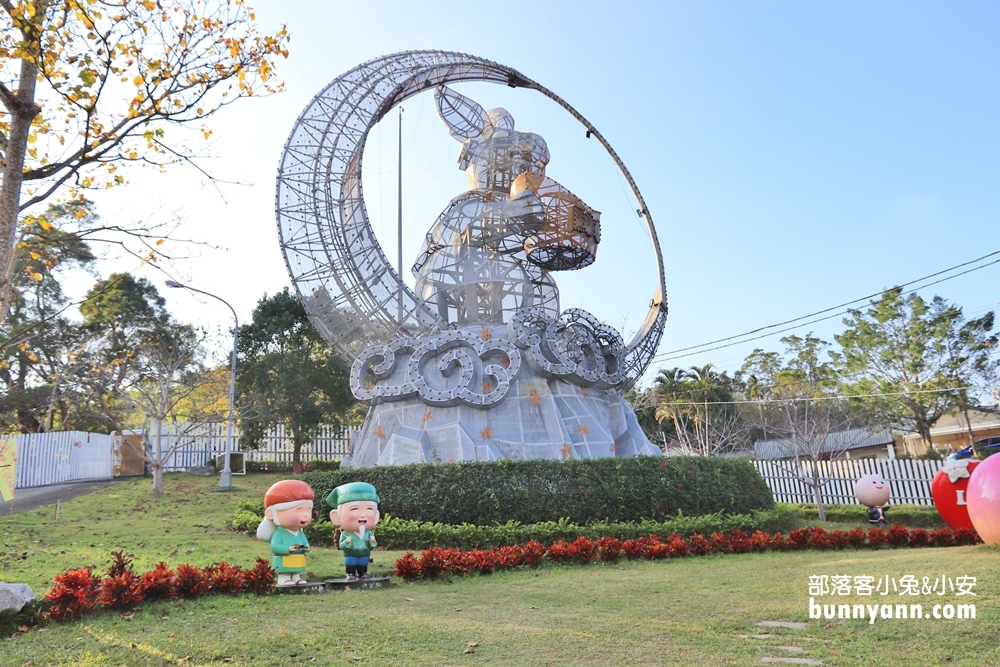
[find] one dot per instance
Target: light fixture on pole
(226, 480)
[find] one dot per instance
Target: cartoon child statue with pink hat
(355, 513)
(287, 511)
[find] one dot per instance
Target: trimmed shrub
(580, 490)
(966, 536)
(431, 562)
(308, 466)
(533, 553)
(396, 533)
(876, 537)
(913, 516)
(739, 542)
(719, 543)
(761, 541)
(699, 545)
(677, 547)
(121, 589)
(246, 522)
(840, 539)
(559, 552)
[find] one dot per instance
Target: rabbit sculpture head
(493, 153)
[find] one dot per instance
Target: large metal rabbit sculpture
(490, 252)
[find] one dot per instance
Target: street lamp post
(226, 480)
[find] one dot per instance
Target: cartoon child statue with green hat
(355, 513)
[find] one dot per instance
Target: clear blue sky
(793, 155)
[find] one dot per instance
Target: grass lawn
(691, 611)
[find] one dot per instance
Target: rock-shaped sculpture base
(539, 419)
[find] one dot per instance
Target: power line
(821, 398)
(666, 356)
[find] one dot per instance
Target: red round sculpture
(950, 492)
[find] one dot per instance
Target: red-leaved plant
(876, 537)
(436, 561)
(407, 567)
(919, 537)
(224, 578)
(840, 538)
(897, 535)
(158, 583)
(73, 594)
(609, 549)
(943, 537)
(761, 541)
(189, 581)
(121, 589)
(699, 545)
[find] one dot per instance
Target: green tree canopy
(36, 335)
(699, 403)
(288, 375)
(922, 358)
(122, 317)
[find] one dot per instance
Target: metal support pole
(399, 235)
(226, 478)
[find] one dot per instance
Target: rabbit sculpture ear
(463, 118)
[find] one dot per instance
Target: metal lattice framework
(353, 295)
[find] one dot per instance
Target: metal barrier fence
(204, 442)
(909, 480)
(61, 456)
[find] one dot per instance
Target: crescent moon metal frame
(350, 290)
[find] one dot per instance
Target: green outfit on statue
(357, 547)
(286, 560)
(355, 511)
(288, 506)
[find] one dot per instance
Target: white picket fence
(909, 480)
(203, 442)
(60, 457)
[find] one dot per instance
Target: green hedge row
(912, 516)
(404, 534)
(614, 490)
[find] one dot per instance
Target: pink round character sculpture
(873, 491)
(287, 511)
(983, 496)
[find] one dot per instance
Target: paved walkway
(26, 500)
